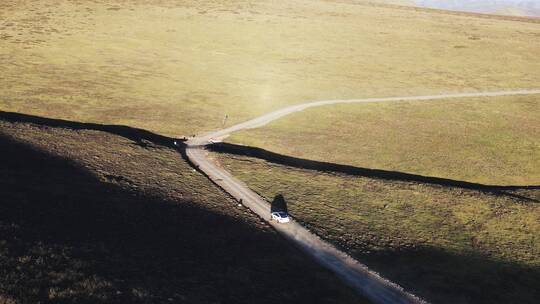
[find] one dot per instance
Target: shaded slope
(90, 217)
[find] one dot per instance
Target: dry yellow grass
(177, 67)
(486, 140)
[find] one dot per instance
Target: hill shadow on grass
(441, 276)
(66, 236)
(135, 134)
(371, 173)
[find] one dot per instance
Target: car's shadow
(279, 204)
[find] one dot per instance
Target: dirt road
(355, 274)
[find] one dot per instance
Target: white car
(280, 217)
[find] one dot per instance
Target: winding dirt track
(355, 274)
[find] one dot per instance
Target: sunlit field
(178, 67)
(489, 140)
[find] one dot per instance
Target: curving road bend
(355, 274)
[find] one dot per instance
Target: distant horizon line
(525, 8)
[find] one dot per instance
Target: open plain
(98, 205)
(178, 67)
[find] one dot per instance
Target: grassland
(178, 67)
(447, 244)
(94, 214)
(485, 140)
(88, 216)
